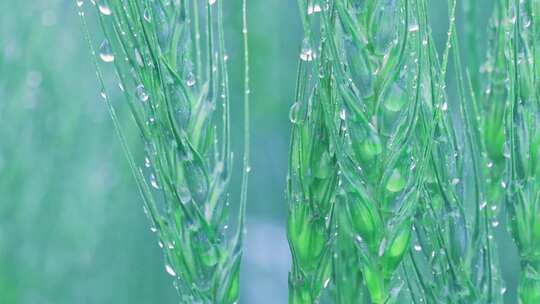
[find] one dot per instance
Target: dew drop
(417, 247)
(211, 2)
(444, 106)
(105, 51)
(170, 270)
(153, 181)
(414, 27)
(343, 114)
(140, 91)
(190, 79)
(138, 58)
(326, 282)
(306, 53)
(483, 205)
(293, 113)
(396, 182)
(105, 9)
(147, 162)
(313, 8)
(79, 3)
(146, 15)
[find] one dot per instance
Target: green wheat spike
(171, 64)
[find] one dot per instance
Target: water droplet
(147, 16)
(211, 2)
(495, 223)
(140, 91)
(138, 58)
(483, 205)
(490, 165)
(153, 181)
(153, 229)
(170, 270)
(105, 9)
(417, 247)
(147, 162)
(326, 282)
(396, 99)
(190, 79)
(343, 114)
(185, 195)
(396, 182)
(455, 181)
(103, 94)
(79, 3)
(444, 106)
(313, 8)
(105, 51)
(306, 53)
(248, 169)
(503, 184)
(293, 113)
(414, 27)
(503, 290)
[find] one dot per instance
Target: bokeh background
(72, 228)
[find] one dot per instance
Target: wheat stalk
(171, 63)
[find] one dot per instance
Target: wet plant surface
(393, 144)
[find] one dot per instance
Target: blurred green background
(72, 228)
